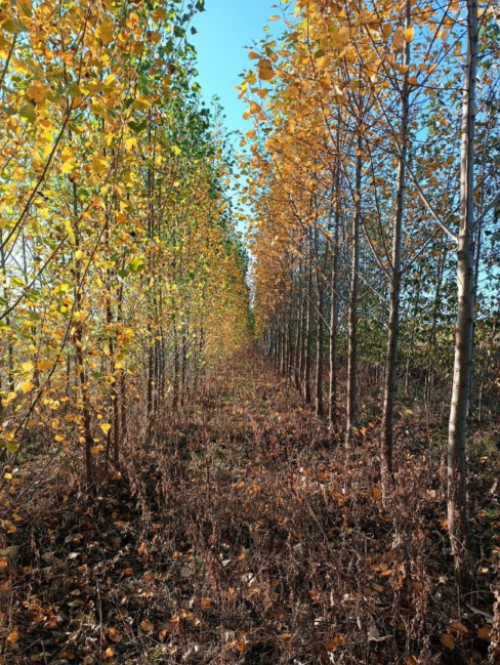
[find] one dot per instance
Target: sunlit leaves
(265, 70)
(105, 32)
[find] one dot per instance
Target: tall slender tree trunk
(10, 345)
(289, 344)
(412, 337)
(318, 398)
(151, 376)
(353, 301)
(176, 378)
(283, 345)
(332, 389)
(457, 476)
(320, 296)
(477, 252)
(307, 340)
(299, 354)
(395, 287)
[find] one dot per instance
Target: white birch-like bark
(457, 478)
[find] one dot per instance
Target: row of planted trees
(121, 270)
(374, 186)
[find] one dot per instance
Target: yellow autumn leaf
(97, 450)
(386, 31)
(344, 35)
(105, 427)
(68, 159)
(105, 32)
(78, 255)
(28, 366)
(409, 35)
(98, 165)
(26, 387)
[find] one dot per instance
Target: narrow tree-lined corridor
(249, 371)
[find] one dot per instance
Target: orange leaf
(147, 626)
(337, 641)
(13, 638)
(459, 627)
(448, 641)
(266, 71)
(484, 633)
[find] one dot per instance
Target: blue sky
(224, 29)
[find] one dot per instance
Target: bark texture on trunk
(318, 398)
(353, 302)
(395, 287)
(307, 341)
(457, 478)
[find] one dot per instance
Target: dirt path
(232, 541)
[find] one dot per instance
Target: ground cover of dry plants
(233, 537)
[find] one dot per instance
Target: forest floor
(234, 539)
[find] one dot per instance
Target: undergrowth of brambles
(231, 536)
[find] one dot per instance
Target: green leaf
(11, 446)
(136, 264)
(14, 27)
(138, 127)
(28, 113)
(74, 91)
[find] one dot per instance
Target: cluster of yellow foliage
(121, 272)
